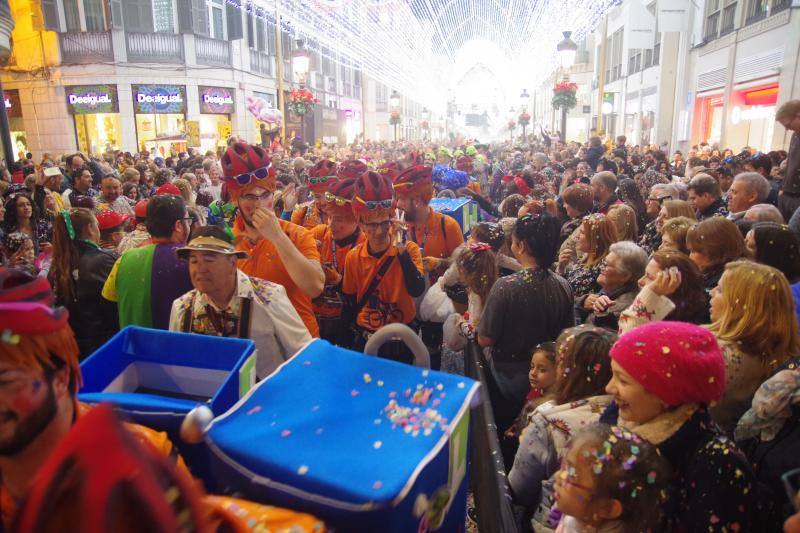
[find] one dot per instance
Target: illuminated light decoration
(411, 44)
(763, 96)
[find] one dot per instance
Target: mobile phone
(52, 171)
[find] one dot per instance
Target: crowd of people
(637, 310)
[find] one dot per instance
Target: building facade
(161, 75)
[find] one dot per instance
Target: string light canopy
(408, 44)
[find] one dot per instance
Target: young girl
(611, 480)
(478, 272)
(543, 385)
(582, 370)
(19, 252)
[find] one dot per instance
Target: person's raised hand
(266, 223)
(289, 197)
(565, 258)
(666, 282)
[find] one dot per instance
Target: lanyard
(424, 238)
(335, 258)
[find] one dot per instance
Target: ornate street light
(301, 62)
(566, 54)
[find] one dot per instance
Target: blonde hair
(677, 228)
(601, 234)
(759, 313)
(624, 218)
(678, 208)
(185, 187)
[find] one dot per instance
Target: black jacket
(93, 318)
(712, 487)
(791, 182)
(593, 155)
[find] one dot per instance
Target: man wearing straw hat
(226, 302)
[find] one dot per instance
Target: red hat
(169, 188)
(372, 194)
(98, 472)
(464, 163)
(107, 219)
(414, 179)
(245, 167)
(522, 186)
(322, 175)
(140, 210)
(389, 169)
(678, 362)
(352, 168)
(339, 197)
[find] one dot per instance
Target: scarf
(772, 407)
(663, 426)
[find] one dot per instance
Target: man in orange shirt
(280, 251)
(335, 239)
(320, 177)
(382, 275)
(436, 234)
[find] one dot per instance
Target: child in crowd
(583, 369)
(611, 481)
(18, 251)
(543, 384)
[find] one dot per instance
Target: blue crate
(155, 377)
(464, 210)
(321, 435)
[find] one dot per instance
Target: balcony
(260, 63)
(154, 47)
(212, 52)
(85, 47)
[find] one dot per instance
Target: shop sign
(91, 99)
(193, 133)
(758, 112)
(216, 100)
(159, 99)
(13, 107)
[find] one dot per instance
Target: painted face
(575, 484)
(27, 406)
(543, 372)
(256, 198)
(635, 403)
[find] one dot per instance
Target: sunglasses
(259, 174)
(321, 180)
(375, 204)
(338, 200)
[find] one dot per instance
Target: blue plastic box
(464, 210)
(364, 443)
(156, 377)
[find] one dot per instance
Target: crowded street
(495, 266)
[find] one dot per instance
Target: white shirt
(215, 190)
(275, 327)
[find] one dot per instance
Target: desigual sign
(89, 99)
(216, 100)
(159, 99)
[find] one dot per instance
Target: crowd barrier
(487, 474)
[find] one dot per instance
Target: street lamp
(523, 102)
(301, 62)
(394, 104)
(566, 54)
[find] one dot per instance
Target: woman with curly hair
(23, 216)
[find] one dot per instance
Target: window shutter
(185, 16)
(50, 14)
(200, 17)
(234, 16)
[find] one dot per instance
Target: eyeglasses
(259, 174)
(383, 224)
(320, 180)
(375, 204)
(659, 200)
(256, 197)
(338, 200)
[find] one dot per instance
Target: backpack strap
(244, 319)
(373, 285)
(186, 325)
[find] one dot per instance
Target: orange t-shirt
(307, 215)
(325, 243)
(432, 241)
(390, 302)
(265, 263)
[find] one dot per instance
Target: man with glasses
(310, 214)
(789, 117)
(383, 273)
(280, 251)
(146, 280)
(335, 239)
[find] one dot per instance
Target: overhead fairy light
(409, 44)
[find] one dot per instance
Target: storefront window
(160, 118)
(16, 124)
(752, 117)
(97, 120)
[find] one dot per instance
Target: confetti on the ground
(254, 410)
(377, 444)
(303, 470)
(380, 383)
(377, 485)
(285, 433)
(354, 392)
(367, 378)
(315, 408)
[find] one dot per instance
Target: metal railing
(212, 52)
(260, 62)
(85, 47)
(487, 475)
(154, 47)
